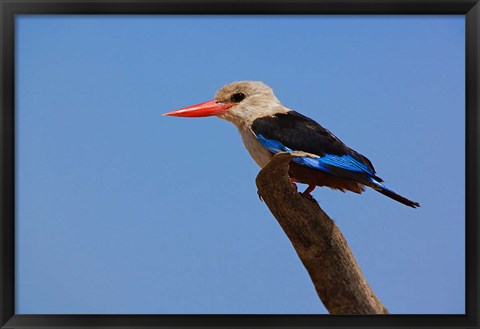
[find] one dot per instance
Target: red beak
(201, 110)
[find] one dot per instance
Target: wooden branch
(318, 242)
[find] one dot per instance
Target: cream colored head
(252, 99)
(238, 102)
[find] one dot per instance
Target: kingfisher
(267, 127)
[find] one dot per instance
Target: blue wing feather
(325, 163)
(334, 157)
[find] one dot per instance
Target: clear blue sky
(121, 210)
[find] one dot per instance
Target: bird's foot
(295, 187)
(306, 194)
(293, 180)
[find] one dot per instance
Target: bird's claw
(295, 187)
(307, 196)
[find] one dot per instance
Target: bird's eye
(238, 97)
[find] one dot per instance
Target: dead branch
(318, 242)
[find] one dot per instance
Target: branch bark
(318, 242)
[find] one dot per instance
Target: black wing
(301, 133)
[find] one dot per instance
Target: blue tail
(388, 192)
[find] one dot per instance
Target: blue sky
(121, 210)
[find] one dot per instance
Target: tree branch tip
(317, 240)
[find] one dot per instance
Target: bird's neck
(243, 116)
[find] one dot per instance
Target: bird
(267, 127)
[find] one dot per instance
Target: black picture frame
(10, 8)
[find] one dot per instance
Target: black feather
(301, 133)
(398, 198)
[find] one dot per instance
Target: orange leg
(293, 180)
(309, 190)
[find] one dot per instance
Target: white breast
(259, 153)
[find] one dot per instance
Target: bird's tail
(388, 192)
